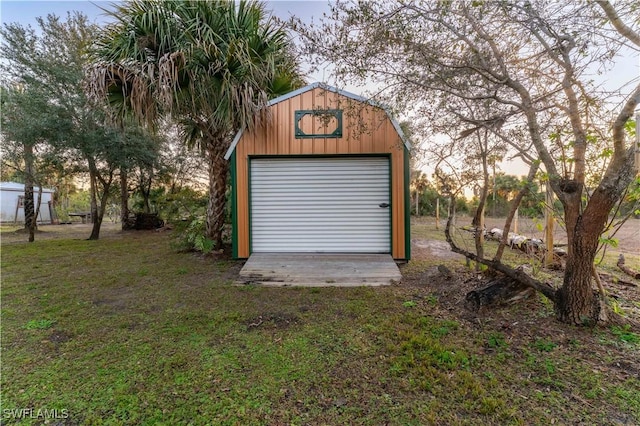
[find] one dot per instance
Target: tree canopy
(529, 67)
(43, 75)
(211, 66)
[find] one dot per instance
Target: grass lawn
(126, 331)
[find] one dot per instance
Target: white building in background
(12, 203)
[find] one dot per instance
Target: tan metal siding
(277, 138)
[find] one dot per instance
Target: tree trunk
(515, 203)
(218, 170)
(36, 209)
(478, 219)
(146, 203)
(124, 198)
(101, 210)
(29, 211)
(479, 233)
(577, 302)
(145, 189)
(97, 213)
(95, 230)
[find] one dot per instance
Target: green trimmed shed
(327, 172)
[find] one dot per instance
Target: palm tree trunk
(216, 208)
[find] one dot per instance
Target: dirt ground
(628, 235)
(74, 231)
(451, 284)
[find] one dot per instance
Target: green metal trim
(407, 211)
(299, 114)
(278, 156)
(249, 158)
(234, 206)
(390, 204)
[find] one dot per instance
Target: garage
(327, 172)
(321, 205)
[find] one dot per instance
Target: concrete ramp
(320, 270)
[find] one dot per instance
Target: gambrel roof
(324, 86)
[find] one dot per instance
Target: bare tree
(534, 62)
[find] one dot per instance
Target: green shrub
(190, 235)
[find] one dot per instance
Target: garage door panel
(320, 205)
(318, 230)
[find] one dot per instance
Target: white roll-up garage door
(322, 205)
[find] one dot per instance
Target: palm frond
(219, 61)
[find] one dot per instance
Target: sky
(25, 13)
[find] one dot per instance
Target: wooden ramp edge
(319, 270)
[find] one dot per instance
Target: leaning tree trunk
(97, 221)
(95, 230)
(478, 218)
(97, 212)
(216, 208)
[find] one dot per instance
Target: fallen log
(626, 269)
(528, 245)
(516, 274)
(501, 291)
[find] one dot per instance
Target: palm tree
(210, 65)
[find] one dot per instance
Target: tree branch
(617, 23)
(546, 289)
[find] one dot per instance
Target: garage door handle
(384, 205)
